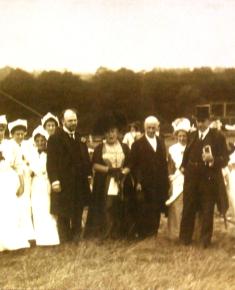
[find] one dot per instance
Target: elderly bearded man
(149, 168)
(204, 157)
(68, 167)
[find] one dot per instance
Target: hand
(138, 187)
(56, 187)
(207, 157)
(90, 182)
(231, 166)
(171, 177)
(1, 156)
(20, 190)
(125, 171)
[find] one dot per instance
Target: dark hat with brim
(202, 113)
(108, 121)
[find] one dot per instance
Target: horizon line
(38, 71)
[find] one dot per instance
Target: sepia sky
(82, 35)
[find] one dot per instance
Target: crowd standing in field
(49, 179)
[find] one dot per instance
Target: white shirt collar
(152, 142)
(204, 133)
(67, 131)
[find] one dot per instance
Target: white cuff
(57, 182)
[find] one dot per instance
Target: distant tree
(165, 93)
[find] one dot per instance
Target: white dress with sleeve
(25, 218)
(176, 152)
(45, 225)
(231, 191)
(11, 235)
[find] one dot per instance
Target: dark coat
(218, 145)
(68, 161)
(149, 168)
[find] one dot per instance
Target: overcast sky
(82, 35)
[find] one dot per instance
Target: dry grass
(154, 263)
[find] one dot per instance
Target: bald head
(70, 120)
(151, 126)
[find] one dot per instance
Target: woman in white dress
(175, 202)
(131, 136)
(45, 226)
(11, 182)
(50, 122)
(18, 131)
(231, 190)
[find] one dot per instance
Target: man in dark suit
(204, 157)
(149, 168)
(68, 167)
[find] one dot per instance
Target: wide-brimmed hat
(181, 124)
(108, 121)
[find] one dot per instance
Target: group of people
(25, 188)
(48, 180)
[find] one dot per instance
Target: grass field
(154, 263)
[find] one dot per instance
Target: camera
(207, 150)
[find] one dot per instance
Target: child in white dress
(45, 225)
(176, 151)
(231, 190)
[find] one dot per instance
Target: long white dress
(45, 225)
(130, 137)
(11, 235)
(176, 152)
(25, 217)
(231, 190)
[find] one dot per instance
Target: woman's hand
(125, 171)
(20, 190)
(56, 187)
(138, 187)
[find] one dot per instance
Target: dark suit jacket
(150, 169)
(70, 164)
(220, 153)
(218, 147)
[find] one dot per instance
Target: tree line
(165, 93)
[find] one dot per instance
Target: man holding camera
(204, 157)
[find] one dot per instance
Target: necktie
(201, 136)
(72, 135)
